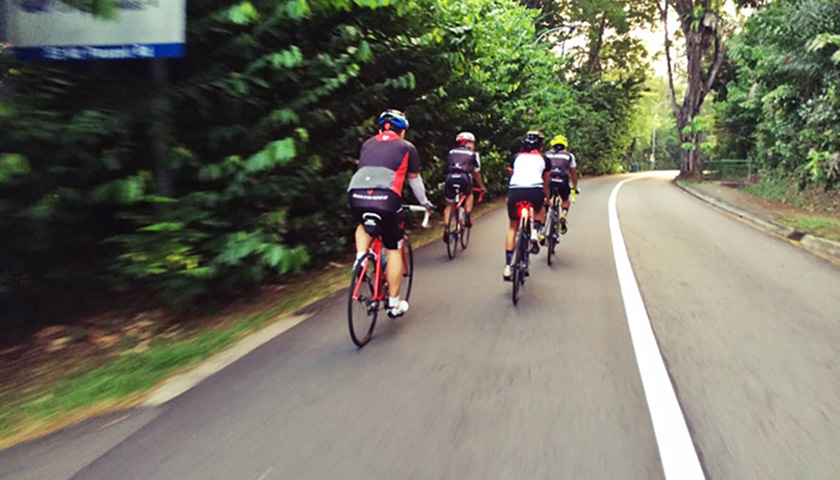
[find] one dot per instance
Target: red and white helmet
(465, 137)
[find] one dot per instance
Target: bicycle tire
(408, 270)
(551, 232)
(465, 232)
(515, 270)
(361, 309)
(452, 244)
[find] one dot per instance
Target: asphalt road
(469, 386)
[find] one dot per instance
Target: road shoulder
(765, 215)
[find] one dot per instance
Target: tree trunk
(700, 35)
(594, 63)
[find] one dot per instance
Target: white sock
(359, 256)
(393, 302)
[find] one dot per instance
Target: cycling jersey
(528, 169)
(463, 160)
(561, 162)
(384, 162)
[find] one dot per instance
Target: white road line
(676, 450)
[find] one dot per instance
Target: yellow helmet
(559, 140)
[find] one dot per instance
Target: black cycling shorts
(535, 196)
(461, 179)
(385, 203)
(560, 186)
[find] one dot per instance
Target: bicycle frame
(377, 249)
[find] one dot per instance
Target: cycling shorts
(386, 204)
(560, 186)
(461, 179)
(534, 196)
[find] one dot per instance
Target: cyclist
(529, 182)
(563, 170)
(384, 163)
(462, 161)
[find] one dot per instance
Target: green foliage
(263, 121)
(782, 106)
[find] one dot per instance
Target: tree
(700, 25)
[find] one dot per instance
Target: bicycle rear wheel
(362, 308)
(452, 244)
(465, 230)
(515, 267)
(551, 233)
(408, 269)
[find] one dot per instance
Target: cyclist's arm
(477, 172)
(574, 172)
(419, 189)
(547, 179)
(414, 179)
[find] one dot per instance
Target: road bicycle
(521, 248)
(459, 232)
(368, 294)
(552, 224)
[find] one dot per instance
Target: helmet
(533, 140)
(560, 140)
(396, 118)
(465, 137)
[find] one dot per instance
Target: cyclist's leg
(513, 226)
(449, 198)
(469, 201)
(392, 235)
(359, 205)
(565, 191)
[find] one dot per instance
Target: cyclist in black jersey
(564, 177)
(386, 160)
(462, 161)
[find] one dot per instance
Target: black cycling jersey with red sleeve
(384, 162)
(463, 160)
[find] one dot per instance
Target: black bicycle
(552, 227)
(459, 231)
(521, 248)
(553, 223)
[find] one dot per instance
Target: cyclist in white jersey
(529, 182)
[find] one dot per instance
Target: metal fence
(728, 169)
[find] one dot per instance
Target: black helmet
(395, 118)
(533, 140)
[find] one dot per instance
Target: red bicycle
(369, 286)
(459, 232)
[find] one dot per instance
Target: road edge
(828, 249)
(180, 383)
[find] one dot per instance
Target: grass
(820, 227)
(123, 381)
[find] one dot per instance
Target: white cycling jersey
(528, 169)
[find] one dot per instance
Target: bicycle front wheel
(362, 308)
(551, 238)
(452, 225)
(465, 230)
(408, 269)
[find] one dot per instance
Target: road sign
(52, 30)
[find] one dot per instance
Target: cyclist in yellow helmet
(563, 170)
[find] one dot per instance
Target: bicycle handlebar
(480, 193)
(418, 208)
